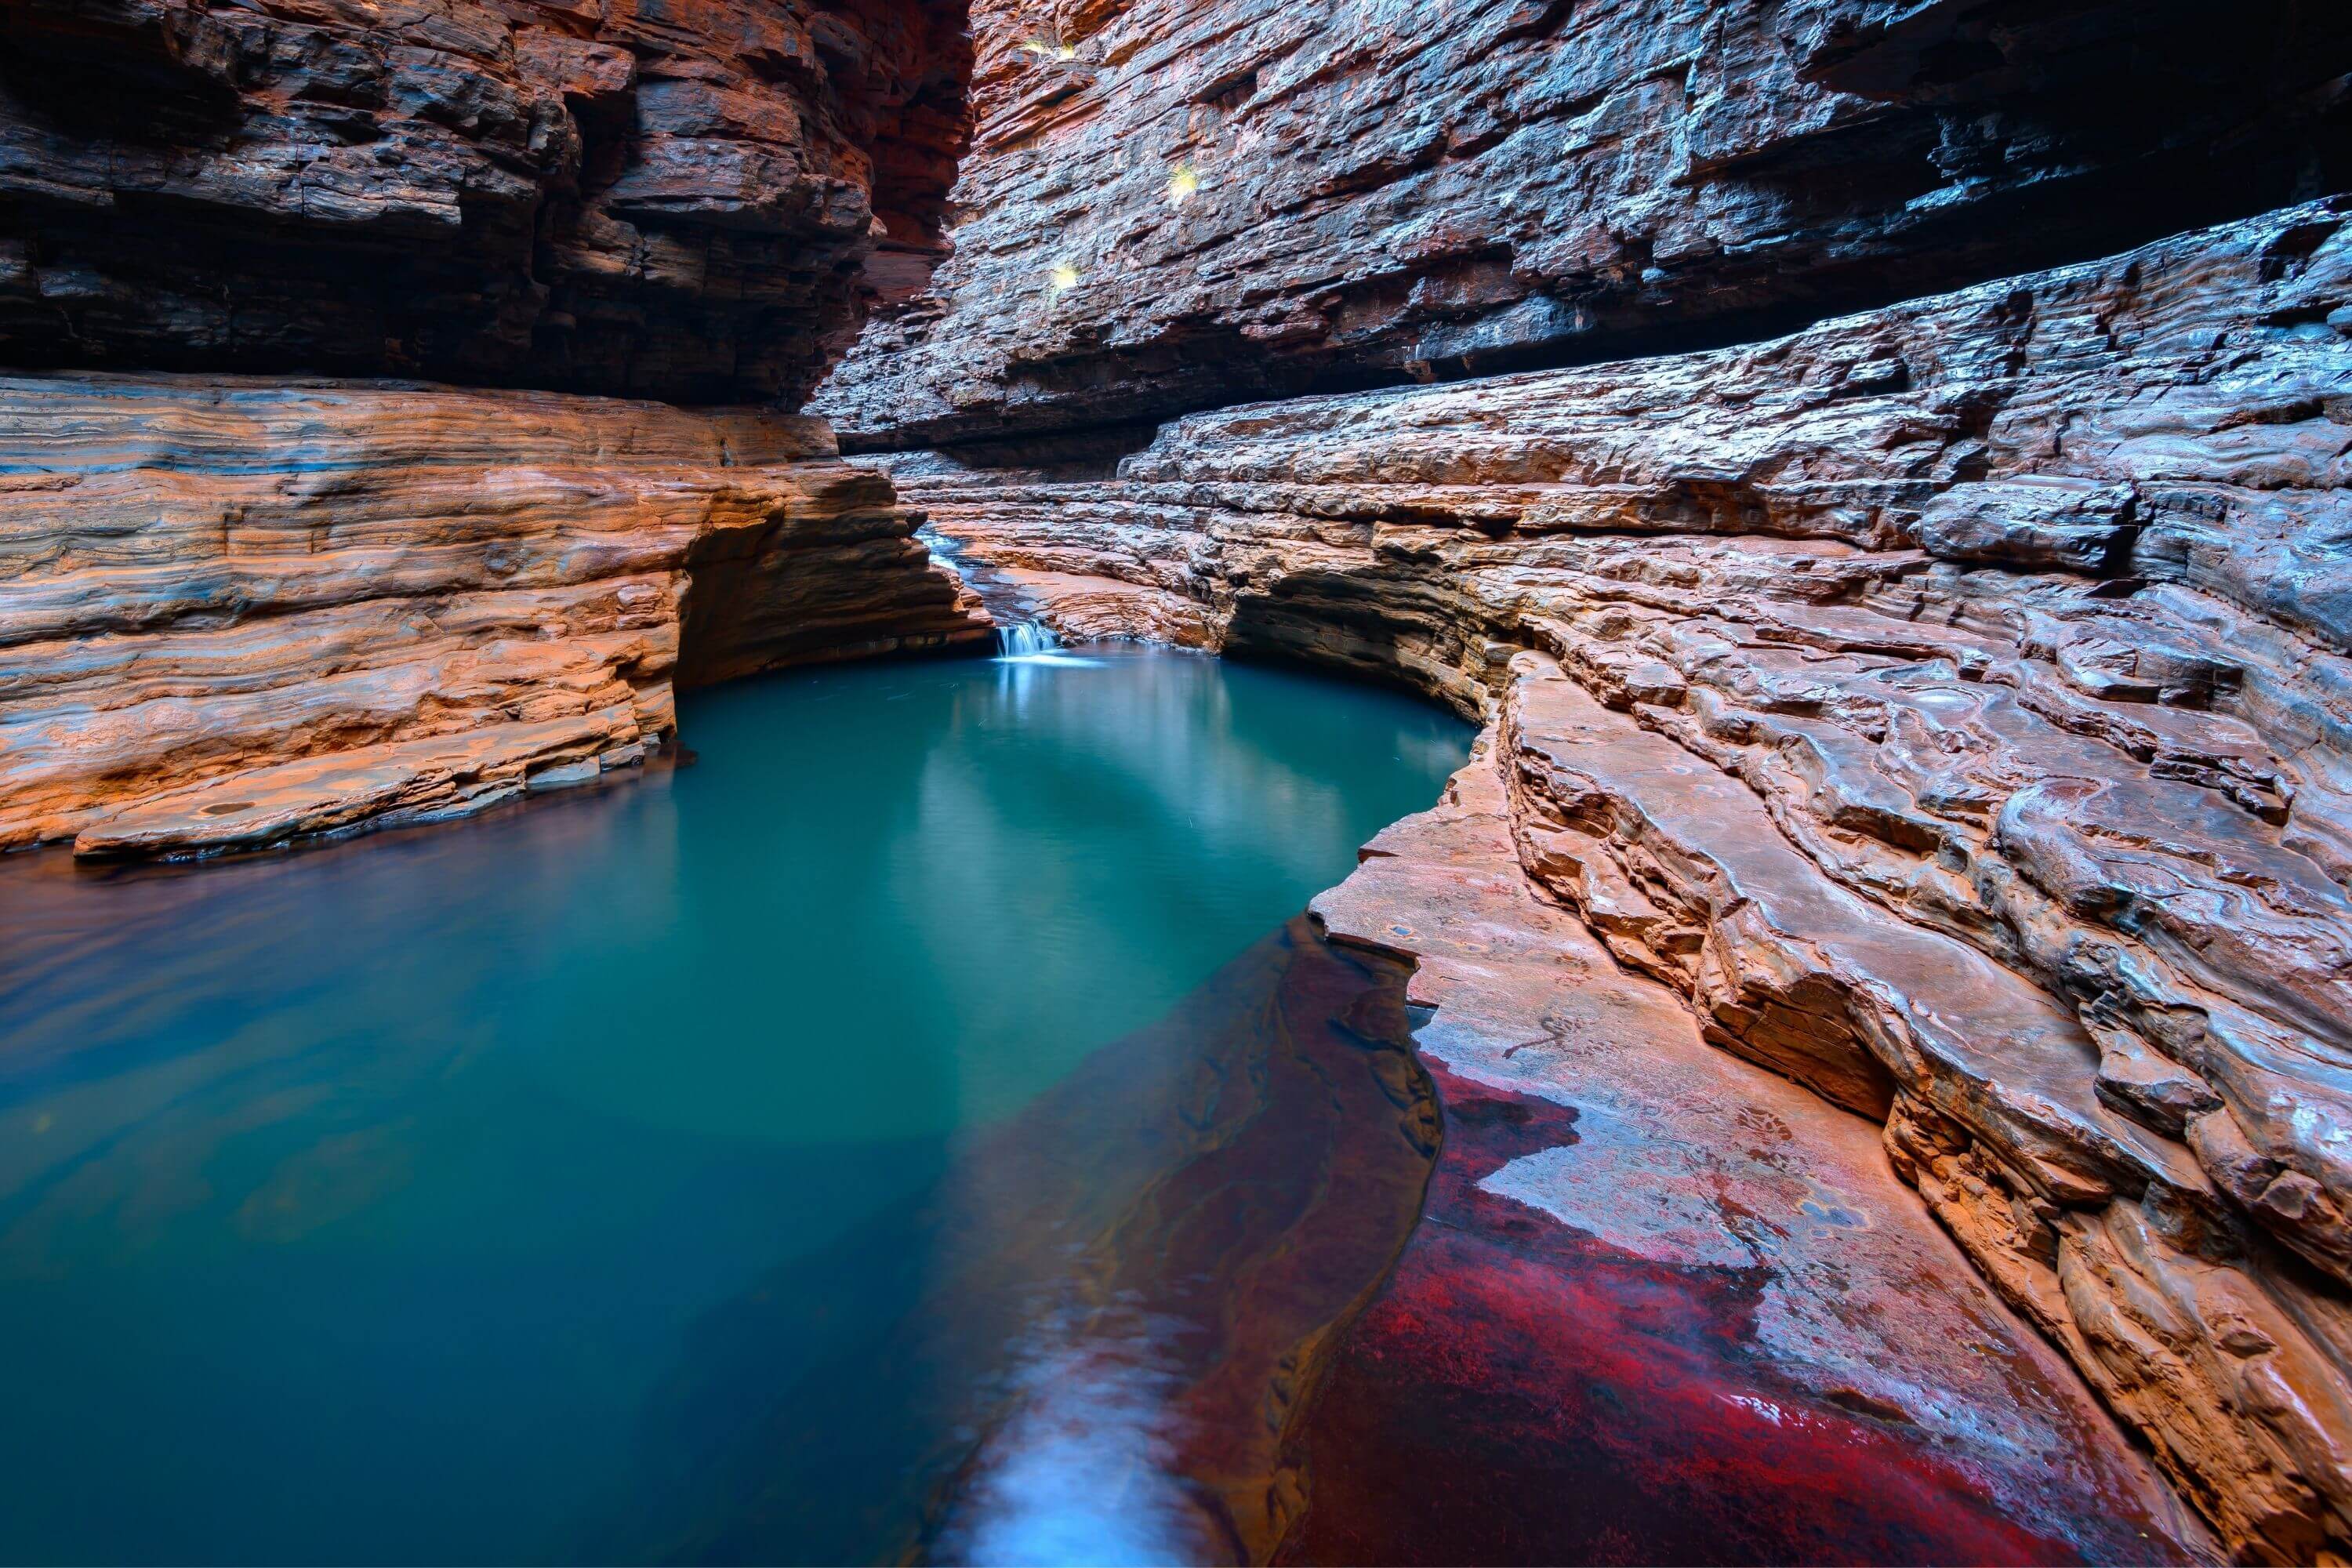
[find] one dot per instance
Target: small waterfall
(1025, 640)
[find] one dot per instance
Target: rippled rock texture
(1952, 703)
(233, 612)
(1664, 1306)
(651, 198)
(1172, 205)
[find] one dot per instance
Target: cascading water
(1019, 634)
(1025, 640)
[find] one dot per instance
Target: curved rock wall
(1170, 206)
(235, 610)
(232, 613)
(1953, 702)
(650, 198)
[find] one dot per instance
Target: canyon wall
(649, 198)
(241, 610)
(1945, 698)
(1948, 696)
(1952, 702)
(1172, 206)
(240, 603)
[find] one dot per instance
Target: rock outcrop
(1951, 702)
(1948, 706)
(681, 199)
(1172, 206)
(1650, 1298)
(233, 612)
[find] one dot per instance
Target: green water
(438, 1195)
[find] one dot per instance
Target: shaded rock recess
(240, 603)
(1948, 702)
(651, 198)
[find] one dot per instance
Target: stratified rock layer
(652, 198)
(1664, 1305)
(1172, 206)
(1953, 703)
(232, 613)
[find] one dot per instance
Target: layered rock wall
(240, 607)
(1953, 702)
(651, 198)
(236, 612)
(1170, 206)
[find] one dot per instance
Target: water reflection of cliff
(1121, 1300)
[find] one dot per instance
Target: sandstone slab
(236, 612)
(1691, 1297)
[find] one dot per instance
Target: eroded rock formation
(1948, 706)
(648, 198)
(1952, 702)
(1172, 205)
(236, 609)
(1653, 1298)
(237, 612)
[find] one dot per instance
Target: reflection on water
(1153, 1254)
(866, 1141)
(1083, 1467)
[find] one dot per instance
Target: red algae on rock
(1662, 1305)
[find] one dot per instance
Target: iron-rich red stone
(1947, 703)
(652, 198)
(1664, 1305)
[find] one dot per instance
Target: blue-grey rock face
(1171, 206)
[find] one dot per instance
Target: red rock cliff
(237, 608)
(1948, 702)
(652, 198)
(1945, 702)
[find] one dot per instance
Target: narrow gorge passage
(931, 534)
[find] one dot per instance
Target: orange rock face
(650, 198)
(1661, 1300)
(1949, 703)
(239, 612)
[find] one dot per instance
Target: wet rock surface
(1664, 1305)
(1948, 703)
(1172, 206)
(236, 613)
(684, 199)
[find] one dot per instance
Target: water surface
(894, 1132)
